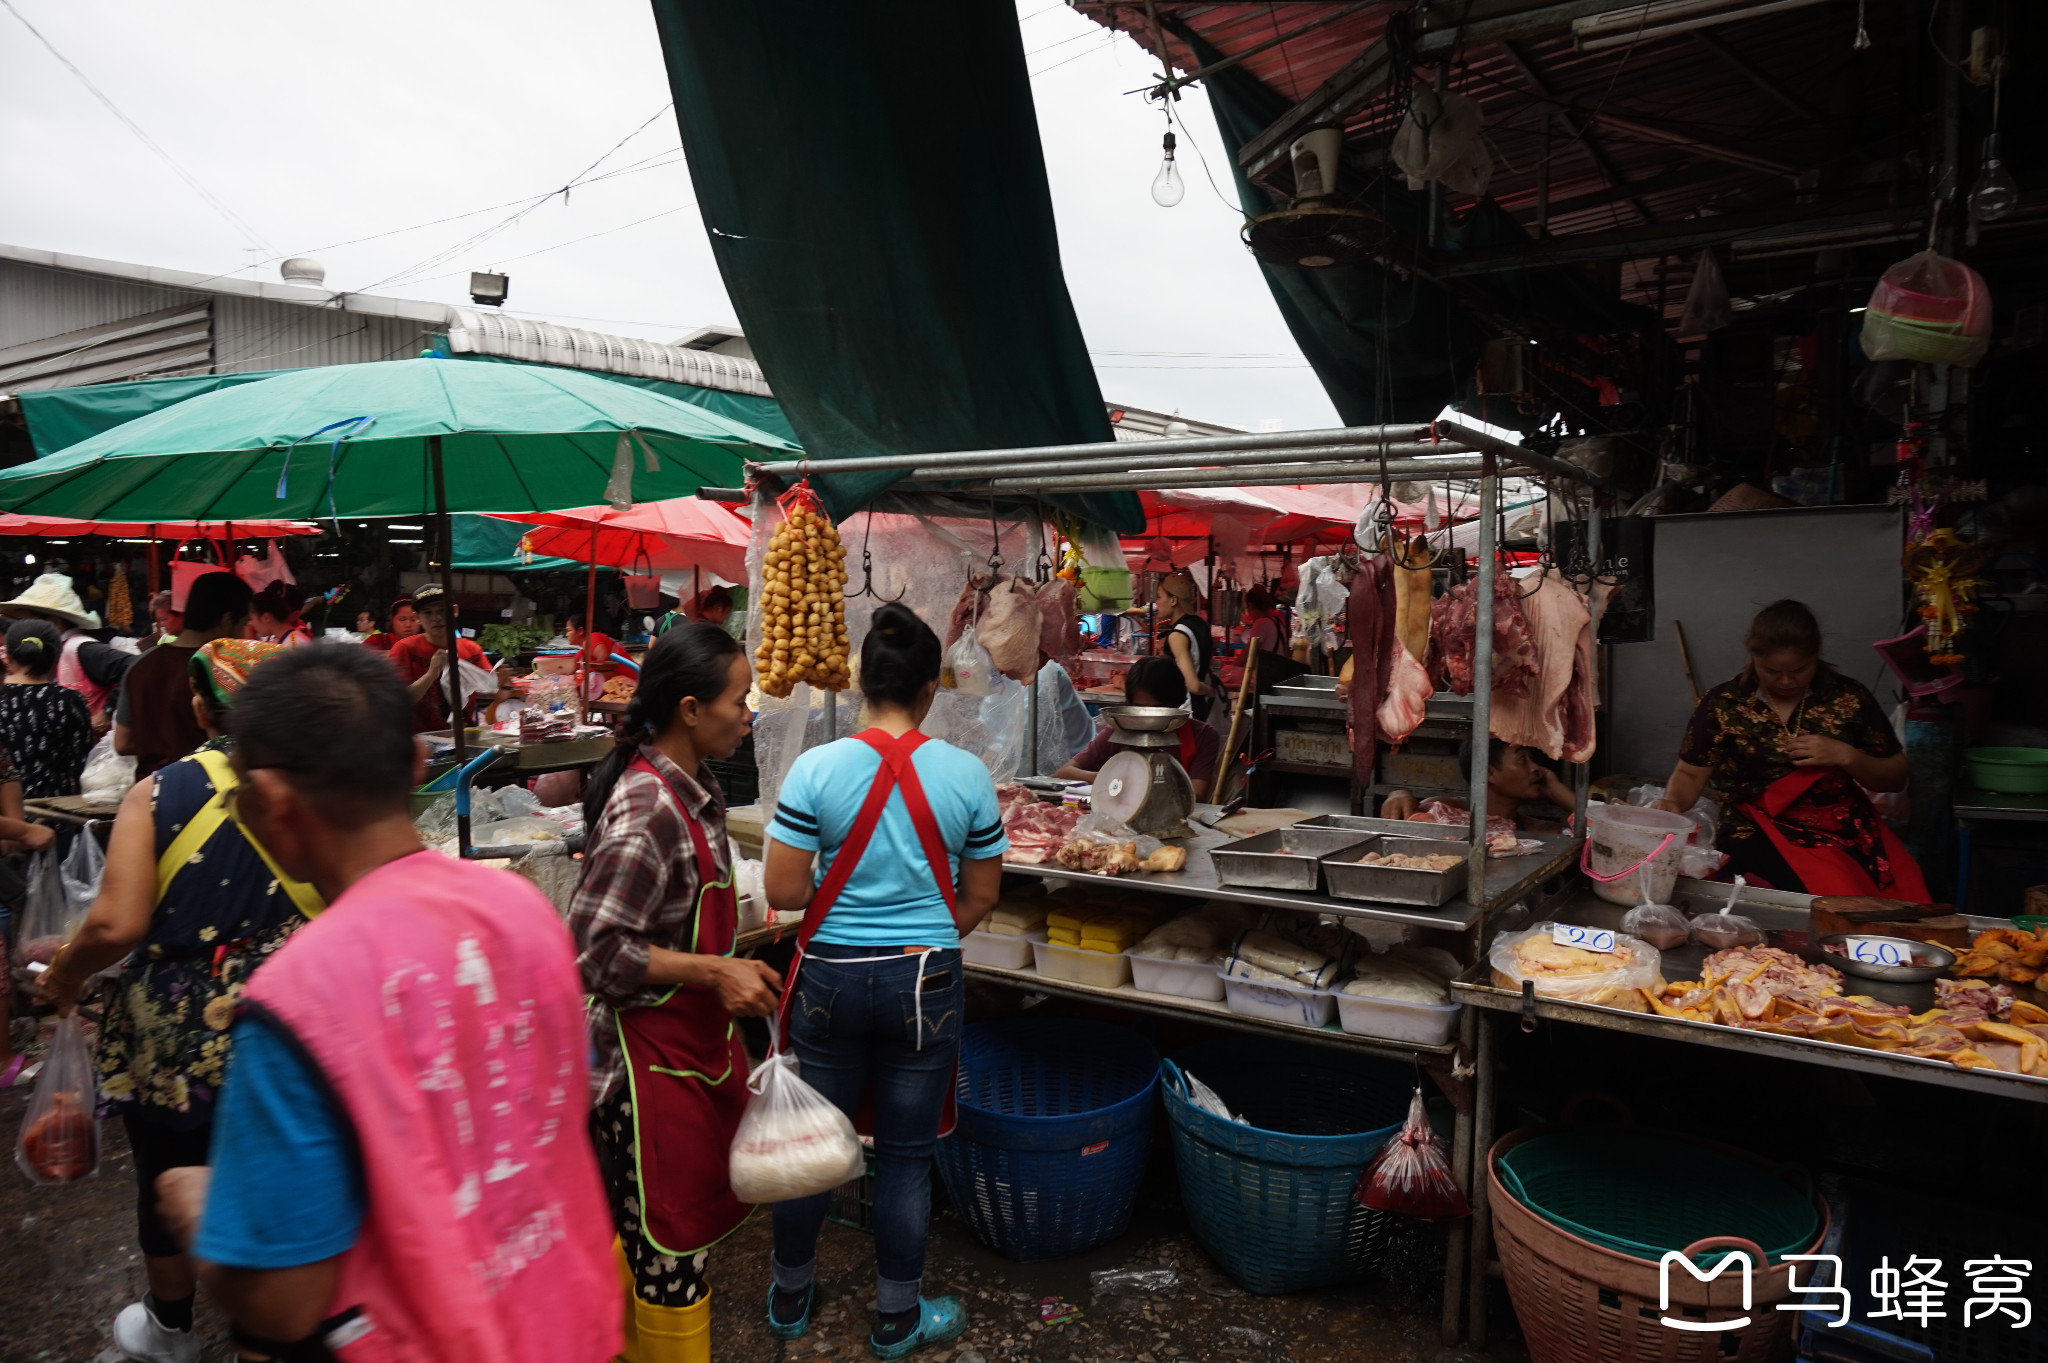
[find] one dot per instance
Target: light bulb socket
(1167, 144)
(1991, 153)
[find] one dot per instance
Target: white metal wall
(255, 333)
(36, 302)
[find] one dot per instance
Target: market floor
(68, 1262)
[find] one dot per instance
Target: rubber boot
(674, 1334)
(631, 1352)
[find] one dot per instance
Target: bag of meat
(60, 1136)
(1410, 1175)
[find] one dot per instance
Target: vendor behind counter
(1518, 787)
(1156, 681)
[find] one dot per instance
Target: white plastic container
(1293, 1003)
(1181, 979)
(1056, 962)
(1640, 848)
(995, 949)
(1423, 1024)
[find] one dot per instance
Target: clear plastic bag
(1928, 308)
(1720, 931)
(1610, 979)
(46, 921)
(968, 668)
(1411, 1176)
(791, 1143)
(80, 873)
(60, 1136)
(1661, 925)
(106, 775)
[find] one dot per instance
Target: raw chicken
(1557, 620)
(1407, 699)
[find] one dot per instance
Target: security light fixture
(489, 289)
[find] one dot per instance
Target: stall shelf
(1771, 909)
(1215, 1014)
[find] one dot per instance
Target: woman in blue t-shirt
(892, 845)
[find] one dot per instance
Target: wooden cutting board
(1889, 918)
(1249, 823)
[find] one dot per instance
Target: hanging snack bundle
(1410, 1176)
(803, 605)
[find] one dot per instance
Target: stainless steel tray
(1400, 828)
(1398, 884)
(1284, 859)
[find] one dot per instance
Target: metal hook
(867, 570)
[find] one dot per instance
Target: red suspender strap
(895, 772)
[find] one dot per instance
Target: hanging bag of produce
(1410, 1175)
(791, 1142)
(803, 601)
(60, 1137)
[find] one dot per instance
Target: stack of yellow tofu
(1092, 929)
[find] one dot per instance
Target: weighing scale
(1145, 786)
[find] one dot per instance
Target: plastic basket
(1271, 1199)
(853, 1203)
(1643, 1194)
(1578, 1302)
(1055, 1123)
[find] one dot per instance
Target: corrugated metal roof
(166, 341)
(477, 332)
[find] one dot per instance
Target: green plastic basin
(2009, 771)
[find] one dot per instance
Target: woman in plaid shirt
(654, 920)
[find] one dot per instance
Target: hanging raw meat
(1010, 626)
(1556, 620)
(1059, 636)
(1370, 625)
(1407, 702)
(1411, 597)
(1582, 697)
(1455, 619)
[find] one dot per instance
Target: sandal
(12, 1075)
(797, 1328)
(939, 1320)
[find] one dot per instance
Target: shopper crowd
(382, 1102)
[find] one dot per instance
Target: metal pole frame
(1482, 679)
(458, 722)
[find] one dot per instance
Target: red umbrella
(673, 536)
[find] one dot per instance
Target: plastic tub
(1298, 1004)
(1633, 853)
(1423, 1024)
(1181, 979)
(1056, 962)
(996, 950)
(2009, 771)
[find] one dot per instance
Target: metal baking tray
(1400, 828)
(1284, 859)
(1398, 884)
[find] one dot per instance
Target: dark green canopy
(873, 185)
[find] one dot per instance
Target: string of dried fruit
(803, 606)
(120, 610)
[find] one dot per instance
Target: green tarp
(487, 545)
(873, 185)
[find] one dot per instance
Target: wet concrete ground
(68, 1263)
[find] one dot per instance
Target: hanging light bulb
(1166, 185)
(1995, 195)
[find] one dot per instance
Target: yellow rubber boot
(674, 1334)
(629, 1296)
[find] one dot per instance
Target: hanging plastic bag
(47, 921)
(60, 1137)
(106, 775)
(1928, 308)
(968, 669)
(1410, 1175)
(791, 1143)
(83, 866)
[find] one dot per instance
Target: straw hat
(52, 594)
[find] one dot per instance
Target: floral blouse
(1737, 733)
(164, 1041)
(47, 729)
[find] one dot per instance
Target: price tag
(1585, 939)
(1876, 951)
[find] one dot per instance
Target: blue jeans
(856, 1027)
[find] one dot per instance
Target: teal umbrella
(361, 440)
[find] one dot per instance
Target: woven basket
(1580, 1303)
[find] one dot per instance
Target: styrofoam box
(1181, 979)
(1081, 967)
(1298, 1004)
(1425, 1024)
(995, 949)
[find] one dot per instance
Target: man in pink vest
(401, 1164)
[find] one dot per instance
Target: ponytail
(689, 660)
(34, 646)
(899, 658)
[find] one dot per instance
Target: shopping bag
(80, 872)
(60, 1137)
(1410, 1176)
(791, 1142)
(106, 773)
(47, 921)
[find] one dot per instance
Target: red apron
(688, 1072)
(896, 772)
(1839, 816)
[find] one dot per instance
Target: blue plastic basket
(1055, 1123)
(1270, 1199)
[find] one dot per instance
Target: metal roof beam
(1753, 73)
(1582, 131)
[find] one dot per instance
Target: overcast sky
(317, 125)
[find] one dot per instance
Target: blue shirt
(892, 898)
(287, 1184)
